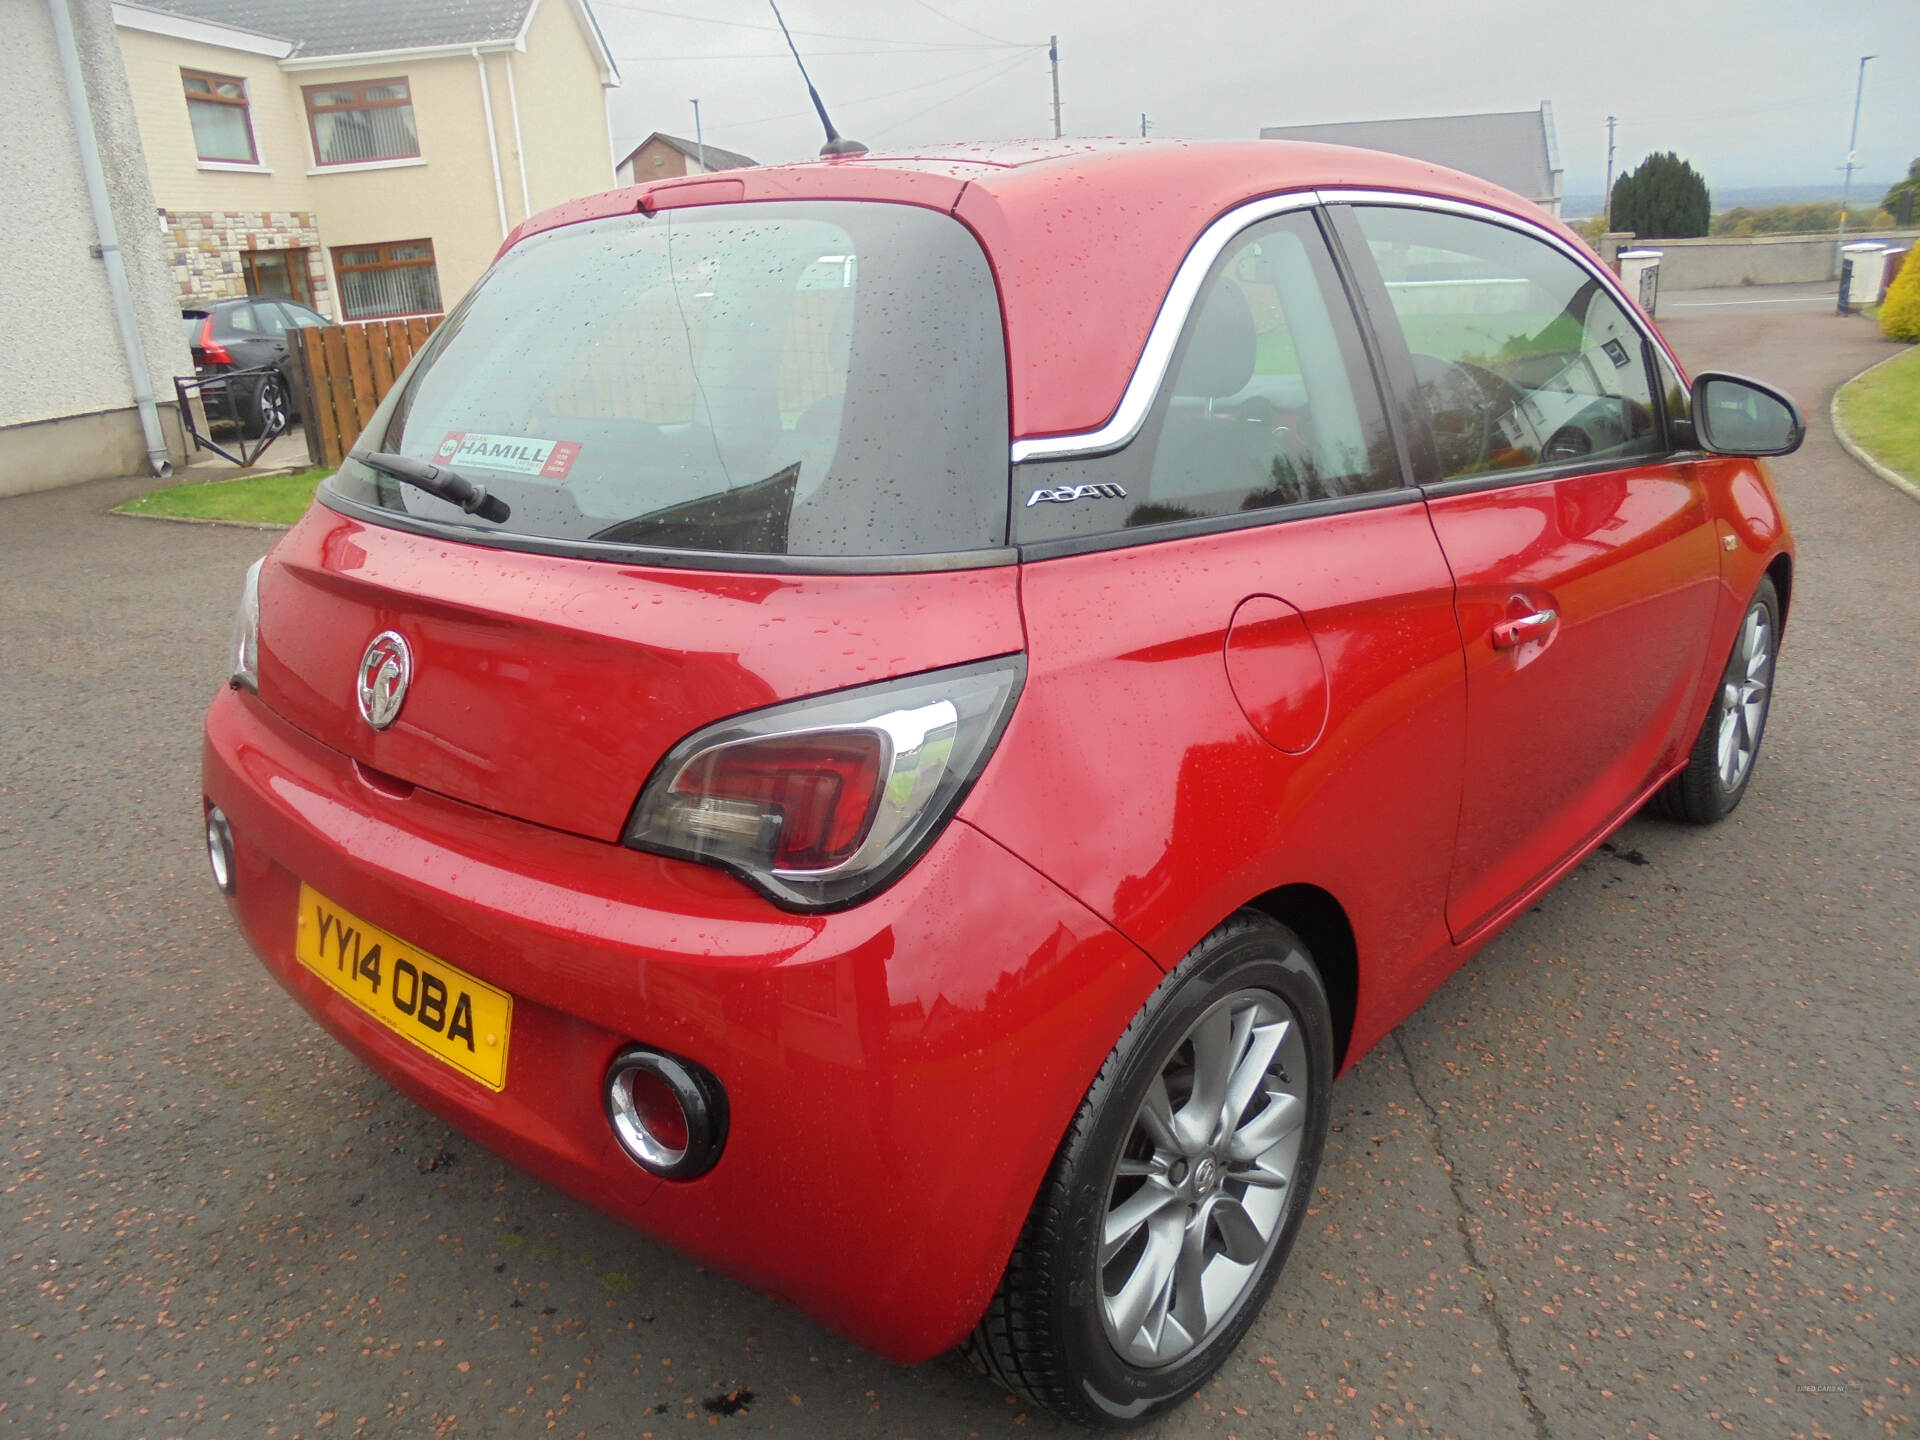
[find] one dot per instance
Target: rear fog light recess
(669, 1114)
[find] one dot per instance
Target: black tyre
(1728, 746)
(264, 408)
(1178, 1190)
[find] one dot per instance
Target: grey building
(1517, 149)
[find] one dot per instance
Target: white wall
(1725, 260)
(60, 350)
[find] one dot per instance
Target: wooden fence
(343, 371)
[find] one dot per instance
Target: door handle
(1528, 627)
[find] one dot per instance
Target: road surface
(1645, 1167)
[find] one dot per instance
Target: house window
(366, 120)
(281, 273)
(380, 280)
(217, 106)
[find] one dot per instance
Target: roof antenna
(835, 145)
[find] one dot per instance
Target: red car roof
(1084, 236)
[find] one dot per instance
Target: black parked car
(245, 334)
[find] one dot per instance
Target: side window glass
(1264, 408)
(272, 319)
(1522, 357)
(240, 321)
(1269, 402)
(1679, 397)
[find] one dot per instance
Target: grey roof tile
(349, 27)
(717, 158)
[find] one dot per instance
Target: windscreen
(810, 378)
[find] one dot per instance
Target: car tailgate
(547, 687)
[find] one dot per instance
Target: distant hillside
(1758, 197)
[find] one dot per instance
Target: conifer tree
(1665, 199)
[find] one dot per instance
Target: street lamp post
(1853, 139)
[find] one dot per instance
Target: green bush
(1664, 199)
(1901, 198)
(1900, 316)
(1798, 219)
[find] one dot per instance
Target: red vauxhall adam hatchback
(895, 722)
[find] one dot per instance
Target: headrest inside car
(1220, 352)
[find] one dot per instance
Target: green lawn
(1881, 410)
(259, 499)
(1274, 354)
(1486, 340)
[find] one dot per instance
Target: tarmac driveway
(1733, 299)
(1646, 1167)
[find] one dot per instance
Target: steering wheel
(1459, 412)
(1566, 444)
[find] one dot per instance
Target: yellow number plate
(426, 1002)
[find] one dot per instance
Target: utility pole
(699, 141)
(1853, 138)
(1606, 201)
(1053, 54)
(1143, 124)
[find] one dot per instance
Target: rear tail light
(244, 650)
(215, 352)
(823, 802)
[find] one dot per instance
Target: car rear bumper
(898, 1074)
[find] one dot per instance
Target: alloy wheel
(1196, 1200)
(1744, 694)
(272, 405)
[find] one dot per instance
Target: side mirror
(1736, 416)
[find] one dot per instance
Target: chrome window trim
(1156, 357)
(1579, 254)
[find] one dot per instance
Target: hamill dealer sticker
(516, 454)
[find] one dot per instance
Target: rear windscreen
(809, 378)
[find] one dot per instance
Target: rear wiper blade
(439, 480)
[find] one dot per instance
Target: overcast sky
(1752, 92)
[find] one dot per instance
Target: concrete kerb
(1858, 451)
(196, 520)
(214, 479)
(208, 469)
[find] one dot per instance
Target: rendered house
(363, 157)
(100, 401)
(661, 157)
